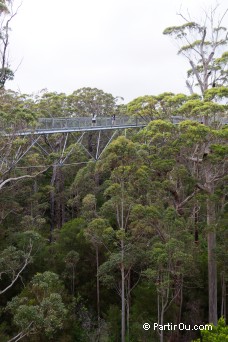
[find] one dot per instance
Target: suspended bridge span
(93, 138)
(84, 124)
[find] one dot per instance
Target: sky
(113, 45)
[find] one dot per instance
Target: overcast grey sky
(113, 45)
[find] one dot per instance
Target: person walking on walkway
(94, 119)
(113, 119)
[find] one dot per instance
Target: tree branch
(26, 262)
(21, 334)
(11, 179)
(187, 199)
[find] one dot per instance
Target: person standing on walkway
(113, 119)
(94, 119)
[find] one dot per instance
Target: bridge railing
(86, 122)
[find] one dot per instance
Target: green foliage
(70, 233)
(3, 7)
(139, 213)
(218, 333)
(113, 317)
(82, 185)
(11, 260)
(15, 258)
(181, 29)
(162, 106)
(199, 42)
(89, 206)
(216, 93)
(98, 231)
(88, 101)
(6, 74)
(72, 259)
(199, 109)
(40, 309)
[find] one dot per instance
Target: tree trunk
(58, 199)
(61, 202)
(212, 264)
(178, 300)
(223, 303)
(62, 199)
(122, 293)
(128, 297)
(162, 319)
(52, 203)
(196, 223)
(73, 280)
(224, 295)
(98, 291)
(90, 142)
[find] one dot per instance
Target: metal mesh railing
(86, 122)
(49, 125)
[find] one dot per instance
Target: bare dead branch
(13, 179)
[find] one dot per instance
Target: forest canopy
(104, 231)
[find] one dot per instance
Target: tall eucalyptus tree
(203, 43)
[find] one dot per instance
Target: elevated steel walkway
(84, 124)
(93, 138)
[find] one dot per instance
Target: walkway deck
(84, 124)
(68, 125)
